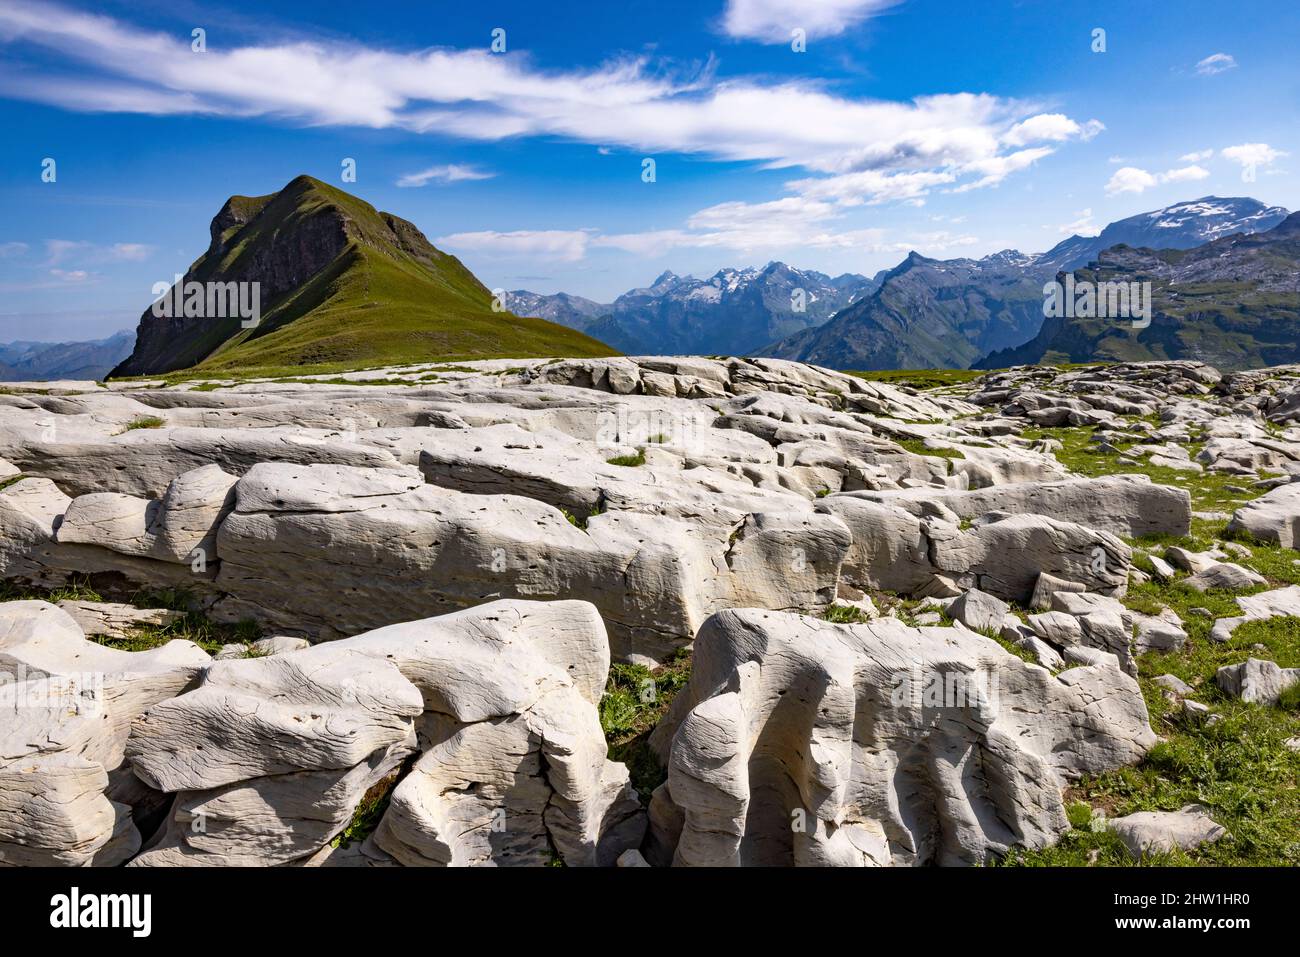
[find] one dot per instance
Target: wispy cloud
(1200, 156)
(450, 173)
(1216, 63)
(58, 251)
(1083, 226)
(559, 245)
(8, 250)
(773, 21)
(109, 65)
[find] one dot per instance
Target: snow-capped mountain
(733, 312)
(1233, 302)
(1180, 226)
(922, 313)
(949, 313)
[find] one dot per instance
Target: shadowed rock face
(294, 246)
(801, 742)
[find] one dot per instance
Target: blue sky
(952, 128)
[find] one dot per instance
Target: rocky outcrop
(801, 742)
(514, 767)
(488, 717)
(1127, 505)
(1273, 517)
(65, 796)
(1162, 832)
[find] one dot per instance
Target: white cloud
(561, 245)
(1051, 127)
(474, 95)
(1131, 179)
(1216, 63)
(70, 275)
(1186, 174)
(772, 21)
(12, 249)
(1252, 154)
(57, 250)
(128, 252)
(995, 169)
(450, 173)
(1200, 156)
(871, 186)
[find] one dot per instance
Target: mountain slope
(1180, 226)
(949, 313)
(733, 312)
(33, 361)
(342, 286)
(929, 313)
(1233, 303)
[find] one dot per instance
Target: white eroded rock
(802, 742)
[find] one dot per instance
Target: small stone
(979, 611)
(1160, 832)
(1175, 684)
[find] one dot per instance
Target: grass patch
(144, 422)
(918, 447)
(844, 615)
(192, 626)
(1209, 490)
(635, 699)
(370, 810)
(630, 461)
(1238, 766)
(922, 379)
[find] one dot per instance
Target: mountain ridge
(734, 311)
(1233, 303)
(341, 284)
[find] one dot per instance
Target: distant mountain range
(341, 285)
(735, 312)
(923, 313)
(345, 286)
(32, 361)
(1233, 302)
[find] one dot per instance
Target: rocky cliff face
(269, 240)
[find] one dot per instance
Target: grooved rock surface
(68, 705)
(802, 742)
(482, 726)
